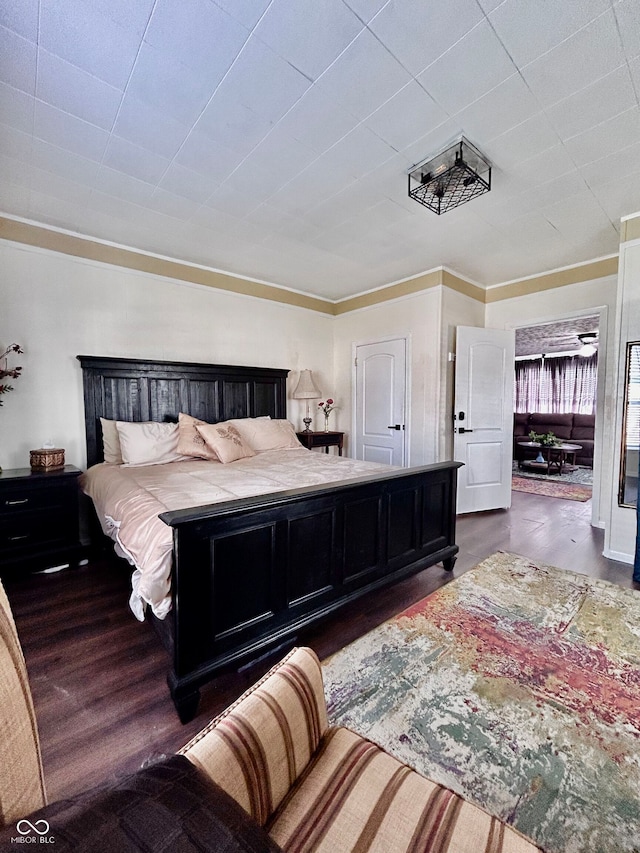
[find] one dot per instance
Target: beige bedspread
(129, 500)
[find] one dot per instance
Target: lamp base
(307, 424)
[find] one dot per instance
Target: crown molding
(76, 245)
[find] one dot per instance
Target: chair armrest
(21, 778)
(258, 747)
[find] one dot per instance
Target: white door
(483, 417)
(380, 401)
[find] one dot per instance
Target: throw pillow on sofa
(169, 807)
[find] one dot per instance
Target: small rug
(580, 474)
(518, 686)
(551, 488)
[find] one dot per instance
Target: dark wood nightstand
(322, 439)
(39, 521)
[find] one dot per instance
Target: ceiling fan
(588, 340)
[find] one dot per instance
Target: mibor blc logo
(33, 833)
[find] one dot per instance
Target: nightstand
(322, 439)
(39, 521)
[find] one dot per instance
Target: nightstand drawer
(13, 501)
(322, 439)
(28, 529)
(38, 518)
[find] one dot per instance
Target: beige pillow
(225, 440)
(190, 442)
(263, 435)
(111, 450)
(148, 443)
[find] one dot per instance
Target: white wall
(57, 307)
(570, 301)
(417, 318)
(620, 536)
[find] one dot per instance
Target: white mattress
(128, 501)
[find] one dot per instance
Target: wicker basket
(47, 458)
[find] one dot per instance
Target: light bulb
(586, 350)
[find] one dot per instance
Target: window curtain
(564, 384)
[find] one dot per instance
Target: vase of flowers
(546, 439)
(326, 407)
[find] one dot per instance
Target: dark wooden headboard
(129, 389)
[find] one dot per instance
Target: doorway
(559, 375)
(380, 404)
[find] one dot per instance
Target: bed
(248, 574)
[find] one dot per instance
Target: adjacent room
(319, 433)
(555, 396)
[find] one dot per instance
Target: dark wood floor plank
(98, 675)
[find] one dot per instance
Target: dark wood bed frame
(248, 574)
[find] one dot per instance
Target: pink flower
(327, 407)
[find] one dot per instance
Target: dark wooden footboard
(248, 574)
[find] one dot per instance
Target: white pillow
(264, 435)
(111, 450)
(148, 443)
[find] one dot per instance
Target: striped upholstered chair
(321, 788)
(311, 786)
(21, 779)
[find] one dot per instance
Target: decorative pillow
(190, 442)
(263, 435)
(170, 805)
(148, 443)
(225, 440)
(111, 442)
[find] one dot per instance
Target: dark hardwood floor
(98, 676)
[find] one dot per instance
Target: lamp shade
(306, 388)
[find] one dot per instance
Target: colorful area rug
(518, 686)
(551, 488)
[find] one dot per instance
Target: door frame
(597, 518)
(406, 462)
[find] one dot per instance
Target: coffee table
(555, 456)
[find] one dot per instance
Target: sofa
(268, 774)
(570, 427)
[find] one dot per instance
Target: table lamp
(306, 390)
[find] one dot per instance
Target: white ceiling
(271, 138)
(559, 336)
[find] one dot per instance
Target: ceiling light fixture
(451, 178)
(587, 339)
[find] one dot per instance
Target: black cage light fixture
(450, 179)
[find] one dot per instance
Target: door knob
(462, 429)
(395, 426)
